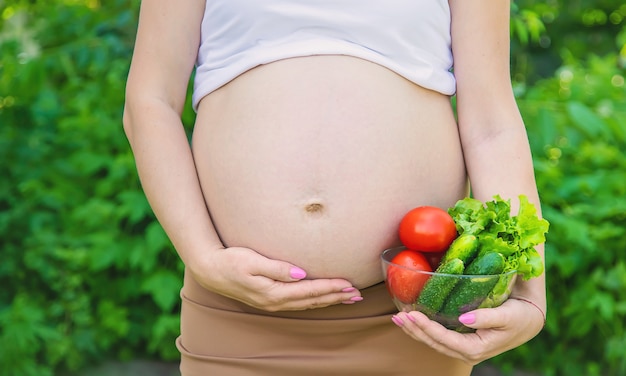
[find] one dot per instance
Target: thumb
(284, 272)
(296, 273)
(483, 319)
(276, 270)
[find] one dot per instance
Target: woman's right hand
(271, 285)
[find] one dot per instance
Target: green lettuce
(515, 237)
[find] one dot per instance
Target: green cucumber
(490, 263)
(465, 248)
(469, 293)
(438, 287)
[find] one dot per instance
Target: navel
(314, 208)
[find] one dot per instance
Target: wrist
(201, 259)
(528, 301)
(532, 292)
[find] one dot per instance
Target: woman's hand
(497, 330)
(245, 275)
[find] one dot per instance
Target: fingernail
(411, 318)
(356, 298)
(348, 289)
(297, 273)
(348, 302)
(467, 318)
(396, 320)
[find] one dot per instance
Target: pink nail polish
(411, 318)
(348, 289)
(297, 273)
(356, 298)
(396, 320)
(467, 318)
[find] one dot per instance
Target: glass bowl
(472, 291)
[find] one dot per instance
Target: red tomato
(405, 284)
(427, 229)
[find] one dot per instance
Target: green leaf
(586, 120)
(492, 243)
(469, 215)
(530, 229)
(164, 287)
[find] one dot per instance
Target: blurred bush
(88, 274)
(577, 127)
(551, 33)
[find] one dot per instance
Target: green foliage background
(87, 273)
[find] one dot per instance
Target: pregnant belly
(315, 160)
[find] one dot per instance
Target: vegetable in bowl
(514, 237)
(479, 268)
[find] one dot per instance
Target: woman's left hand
(497, 330)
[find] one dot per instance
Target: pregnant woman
(319, 125)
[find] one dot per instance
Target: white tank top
(409, 37)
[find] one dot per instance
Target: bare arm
(498, 160)
(165, 52)
(493, 135)
(167, 42)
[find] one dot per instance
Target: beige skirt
(221, 336)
